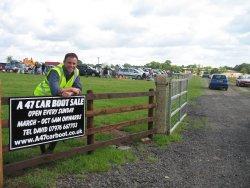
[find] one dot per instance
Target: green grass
(232, 80)
(196, 86)
(164, 140)
(102, 159)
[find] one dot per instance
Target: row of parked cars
(21, 68)
(15, 66)
(220, 81)
(134, 73)
(86, 70)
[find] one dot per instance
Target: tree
(243, 67)
(175, 69)
(168, 62)
(244, 70)
(154, 65)
(207, 69)
(223, 69)
(194, 66)
(214, 70)
(198, 71)
(228, 68)
(126, 65)
(166, 65)
(79, 62)
(9, 59)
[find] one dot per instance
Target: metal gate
(177, 100)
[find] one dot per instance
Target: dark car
(218, 81)
(16, 66)
(85, 70)
(2, 66)
(12, 67)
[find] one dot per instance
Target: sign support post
(1, 145)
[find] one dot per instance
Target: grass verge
(101, 160)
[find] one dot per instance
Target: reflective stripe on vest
(43, 88)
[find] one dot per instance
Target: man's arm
(53, 79)
(77, 85)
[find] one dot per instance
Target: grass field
(102, 159)
(232, 80)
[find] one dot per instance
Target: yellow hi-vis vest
(43, 88)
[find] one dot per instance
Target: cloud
(142, 8)
(240, 24)
(135, 32)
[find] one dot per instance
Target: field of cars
(87, 70)
(19, 67)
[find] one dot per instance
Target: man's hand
(75, 90)
(67, 93)
(71, 90)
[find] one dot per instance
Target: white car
(134, 73)
(243, 80)
(141, 70)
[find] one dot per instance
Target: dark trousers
(50, 148)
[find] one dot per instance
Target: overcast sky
(206, 32)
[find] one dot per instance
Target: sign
(40, 120)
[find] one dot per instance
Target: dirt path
(216, 154)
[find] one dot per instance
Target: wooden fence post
(1, 141)
(150, 113)
(161, 111)
(90, 120)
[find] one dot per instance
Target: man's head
(70, 62)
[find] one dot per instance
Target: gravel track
(215, 155)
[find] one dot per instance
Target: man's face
(70, 64)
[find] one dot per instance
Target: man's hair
(72, 55)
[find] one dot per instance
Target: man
(43, 69)
(62, 80)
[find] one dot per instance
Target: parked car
(205, 75)
(243, 80)
(134, 73)
(157, 72)
(218, 81)
(48, 67)
(2, 67)
(146, 73)
(13, 67)
(86, 70)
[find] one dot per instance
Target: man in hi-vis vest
(62, 80)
